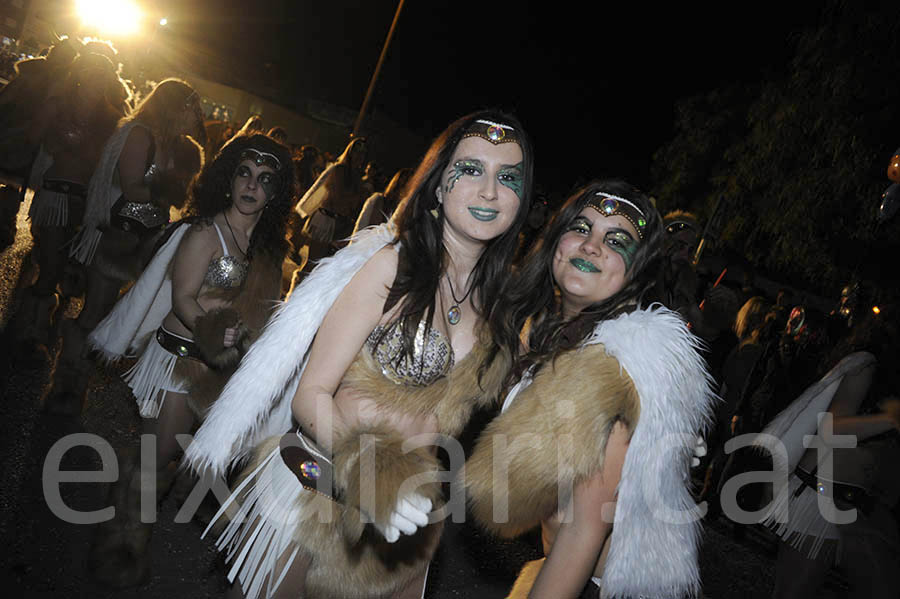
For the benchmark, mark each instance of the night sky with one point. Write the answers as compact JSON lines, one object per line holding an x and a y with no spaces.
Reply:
{"x":596,"y":88}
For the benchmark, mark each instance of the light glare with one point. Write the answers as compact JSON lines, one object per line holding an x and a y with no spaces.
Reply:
{"x":164,"y":21}
{"x":876,"y":309}
{"x":116,"y":17}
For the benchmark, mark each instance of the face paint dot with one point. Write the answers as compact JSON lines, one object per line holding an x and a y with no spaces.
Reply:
{"x":496,"y":133}
{"x":311,"y":469}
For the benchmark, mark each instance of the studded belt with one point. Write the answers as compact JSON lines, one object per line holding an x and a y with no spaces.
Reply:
{"x":63,"y":186}
{"x":841,"y":492}
{"x":308,"y":463}
{"x":137,"y":217}
{"x":175,"y":344}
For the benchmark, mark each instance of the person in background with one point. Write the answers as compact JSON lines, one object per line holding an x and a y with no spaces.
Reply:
{"x":218,"y":276}
{"x":380,"y":206}
{"x":78,"y":117}
{"x":145,"y":168}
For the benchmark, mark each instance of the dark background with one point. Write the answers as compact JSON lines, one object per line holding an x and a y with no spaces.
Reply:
{"x":594,"y":83}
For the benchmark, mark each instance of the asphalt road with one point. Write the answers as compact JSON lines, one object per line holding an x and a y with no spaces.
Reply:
{"x":44,"y":556}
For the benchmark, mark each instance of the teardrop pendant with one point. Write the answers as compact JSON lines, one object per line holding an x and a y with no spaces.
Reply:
{"x":454,"y":314}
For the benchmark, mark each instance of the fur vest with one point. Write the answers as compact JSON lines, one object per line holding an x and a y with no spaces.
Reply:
{"x":349,"y":559}
{"x":643,"y":369}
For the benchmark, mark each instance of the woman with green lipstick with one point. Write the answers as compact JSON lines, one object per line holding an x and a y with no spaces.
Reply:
{"x":382,"y":349}
{"x":594,"y":440}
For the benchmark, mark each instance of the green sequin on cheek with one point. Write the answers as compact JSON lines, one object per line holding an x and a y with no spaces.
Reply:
{"x":460,"y":168}
{"x":513,"y":179}
{"x":624,"y":245}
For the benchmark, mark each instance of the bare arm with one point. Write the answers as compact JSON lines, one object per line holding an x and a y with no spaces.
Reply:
{"x":342,"y":334}
{"x":188,"y":271}
{"x":847,"y":399}
{"x":580,"y":540}
{"x":133,"y":164}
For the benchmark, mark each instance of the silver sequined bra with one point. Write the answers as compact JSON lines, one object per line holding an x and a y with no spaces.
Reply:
{"x":228,"y":271}
{"x":432,"y":358}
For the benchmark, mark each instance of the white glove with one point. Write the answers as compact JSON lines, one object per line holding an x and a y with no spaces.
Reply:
{"x":699,"y":452}
{"x":410,"y":514}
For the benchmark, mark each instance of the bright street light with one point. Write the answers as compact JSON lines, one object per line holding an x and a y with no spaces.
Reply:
{"x":114,"y":17}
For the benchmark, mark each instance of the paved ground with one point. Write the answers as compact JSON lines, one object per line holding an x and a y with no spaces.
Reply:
{"x":47,"y":557}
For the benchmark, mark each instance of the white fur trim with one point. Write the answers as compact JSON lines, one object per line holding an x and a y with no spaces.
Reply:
{"x":139,"y":312}
{"x":256,"y":402}
{"x":103,"y":191}
{"x":654,"y":549}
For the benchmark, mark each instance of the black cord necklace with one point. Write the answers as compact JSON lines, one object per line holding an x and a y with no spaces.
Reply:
{"x":454,"y":314}
{"x":243,"y":253}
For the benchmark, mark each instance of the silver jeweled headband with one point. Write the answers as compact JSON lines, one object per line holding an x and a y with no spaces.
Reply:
{"x":610,"y":205}
{"x":496,"y":133}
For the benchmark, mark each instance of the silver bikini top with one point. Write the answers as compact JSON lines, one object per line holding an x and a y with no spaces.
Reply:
{"x":228,"y":271}
{"x":432,"y":357}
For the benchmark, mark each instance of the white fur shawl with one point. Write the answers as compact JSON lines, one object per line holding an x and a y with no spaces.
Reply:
{"x":655,"y":540}
{"x":256,"y":402}
{"x":103,"y":191}
{"x":654,"y":550}
{"x":139,"y":312}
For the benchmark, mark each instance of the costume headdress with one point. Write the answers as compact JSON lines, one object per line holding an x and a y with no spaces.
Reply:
{"x":496,"y":133}
{"x":261,"y":158}
{"x":608,"y":205}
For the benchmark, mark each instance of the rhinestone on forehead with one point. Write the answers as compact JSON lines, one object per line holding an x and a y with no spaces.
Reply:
{"x":610,"y":205}
{"x":496,"y":132}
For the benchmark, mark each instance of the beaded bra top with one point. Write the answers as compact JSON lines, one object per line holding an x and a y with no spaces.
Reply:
{"x":228,"y":271}
{"x":432,"y":356}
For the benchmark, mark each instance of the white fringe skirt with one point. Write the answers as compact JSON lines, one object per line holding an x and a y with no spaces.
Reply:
{"x":152,"y":376}
{"x":273,"y":519}
{"x":50,"y":204}
{"x":259,"y":538}
{"x":804,"y":527}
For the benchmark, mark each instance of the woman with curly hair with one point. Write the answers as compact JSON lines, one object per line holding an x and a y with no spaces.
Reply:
{"x":194,"y":311}
{"x":384,"y":343}
{"x":594,"y":440}
{"x":141,"y":173}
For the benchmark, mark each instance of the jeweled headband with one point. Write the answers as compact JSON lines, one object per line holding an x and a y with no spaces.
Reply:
{"x":608,"y":205}
{"x":496,"y":133}
{"x":261,"y":158}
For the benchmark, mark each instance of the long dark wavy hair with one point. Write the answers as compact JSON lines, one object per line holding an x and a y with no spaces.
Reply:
{"x":211,"y":192}
{"x":532,"y":293}
{"x":161,"y":111}
{"x":422,"y":256}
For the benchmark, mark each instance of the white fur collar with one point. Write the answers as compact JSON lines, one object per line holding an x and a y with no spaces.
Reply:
{"x":655,"y":542}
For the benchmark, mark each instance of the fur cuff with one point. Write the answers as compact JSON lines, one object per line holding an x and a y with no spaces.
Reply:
{"x":209,"y":335}
{"x":371,"y":471}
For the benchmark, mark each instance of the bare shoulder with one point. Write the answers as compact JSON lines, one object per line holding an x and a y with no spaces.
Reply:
{"x":200,"y":237}
{"x":377,"y":275}
{"x":139,"y":138}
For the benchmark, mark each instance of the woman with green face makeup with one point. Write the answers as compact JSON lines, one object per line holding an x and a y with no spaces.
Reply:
{"x":206,"y":294}
{"x":594,"y":439}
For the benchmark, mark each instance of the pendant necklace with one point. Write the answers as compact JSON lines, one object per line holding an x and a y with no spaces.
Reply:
{"x":233,"y":237}
{"x":455,"y":313}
